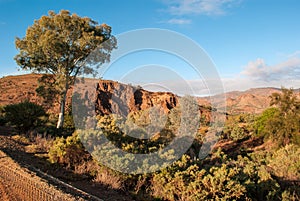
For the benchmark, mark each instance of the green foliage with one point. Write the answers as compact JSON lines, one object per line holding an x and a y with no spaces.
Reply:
{"x":254,"y":176}
{"x":68,"y":151}
{"x":237,"y":133}
{"x":238,"y":127}
{"x":187,"y":181}
{"x":242,"y":179}
{"x":25,"y":116}
{"x":262,"y":123}
{"x":58,"y":43}
{"x":259,"y":183}
{"x":154,"y":130}
{"x":285,"y":162}
{"x":281,"y":124}
{"x":61,"y":44}
{"x":48,"y":89}
{"x":69,"y":123}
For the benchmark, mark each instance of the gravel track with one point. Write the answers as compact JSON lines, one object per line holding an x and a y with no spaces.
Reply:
{"x":14,"y":156}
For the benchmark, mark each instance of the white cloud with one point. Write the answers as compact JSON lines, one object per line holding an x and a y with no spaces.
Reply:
{"x":256,"y":74}
{"x":287,"y":70}
{"x":200,"y":88}
{"x":199,"y":7}
{"x":295,"y":54}
{"x":178,"y":21}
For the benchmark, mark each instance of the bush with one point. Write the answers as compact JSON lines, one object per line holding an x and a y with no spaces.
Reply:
{"x":237,"y":133}
{"x":281,"y":124}
{"x":285,"y":162}
{"x":68,"y":151}
{"x":238,"y":127}
{"x":245,"y":178}
{"x":262,"y":122}
{"x":184,"y":181}
{"x":25,"y":116}
{"x":109,"y":178}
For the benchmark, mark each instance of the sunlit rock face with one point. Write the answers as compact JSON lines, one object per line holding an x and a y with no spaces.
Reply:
{"x":114,"y":97}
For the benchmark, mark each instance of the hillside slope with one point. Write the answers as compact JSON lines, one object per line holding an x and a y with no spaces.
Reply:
{"x":14,"y":89}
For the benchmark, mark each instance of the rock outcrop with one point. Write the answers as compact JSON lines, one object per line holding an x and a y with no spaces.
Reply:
{"x":118,"y":98}
{"x":121,"y":98}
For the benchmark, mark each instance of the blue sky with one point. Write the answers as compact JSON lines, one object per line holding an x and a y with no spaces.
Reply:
{"x":253,"y":43}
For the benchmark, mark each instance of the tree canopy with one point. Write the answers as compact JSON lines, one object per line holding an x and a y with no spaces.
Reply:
{"x":281,"y":124}
{"x":61,"y":44}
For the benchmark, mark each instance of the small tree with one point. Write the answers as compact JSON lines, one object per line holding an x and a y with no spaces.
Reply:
{"x":60,"y":44}
{"x":262,"y":126}
{"x":282,"y":124}
{"x":25,"y":116}
{"x":287,"y":120}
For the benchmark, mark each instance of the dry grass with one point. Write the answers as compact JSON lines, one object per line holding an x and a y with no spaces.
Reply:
{"x":44,"y":142}
{"x":104,"y":176}
{"x":21,"y":139}
{"x":86,"y":168}
{"x":40,"y":144}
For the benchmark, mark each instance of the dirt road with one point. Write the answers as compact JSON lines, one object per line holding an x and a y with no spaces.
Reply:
{"x":4,"y":195}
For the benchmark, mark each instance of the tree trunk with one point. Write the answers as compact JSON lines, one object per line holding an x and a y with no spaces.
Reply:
{"x":60,"y":122}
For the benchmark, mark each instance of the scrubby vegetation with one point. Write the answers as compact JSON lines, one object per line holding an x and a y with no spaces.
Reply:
{"x":281,"y":124}
{"x":24,"y":116}
{"x":257,"y":158}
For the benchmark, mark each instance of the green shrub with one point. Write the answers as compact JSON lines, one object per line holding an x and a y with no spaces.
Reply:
{"x":69,"y":126}
{"x":257,"y":179}
{"x":237,"y":133}
{"x":187,"y":181}
{"x":25,"y":116}
{"x":285,"y":162}
{"x":281,"y":124}
{"x":262,"y":122}
{"x":50,"y":126}
{"x":245,"y":178}
{"x":238,"y":127}
{"x":68,"y":151}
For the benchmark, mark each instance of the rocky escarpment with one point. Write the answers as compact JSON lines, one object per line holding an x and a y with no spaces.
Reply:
{"x":118,"y":98}
{"x":112,"y":97}
{"x":121,"y":98}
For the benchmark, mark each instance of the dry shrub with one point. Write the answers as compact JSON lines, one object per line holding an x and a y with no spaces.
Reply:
{"x":21,"y":139}
{"x":43,"y":142}
{"x":39,"y":144}
{"x":89,"y":168}
{"x":106,"y":177}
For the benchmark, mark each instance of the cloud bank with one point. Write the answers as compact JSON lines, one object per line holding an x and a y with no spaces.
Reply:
{"x":287,"y":70}
{"x":256,"y":74}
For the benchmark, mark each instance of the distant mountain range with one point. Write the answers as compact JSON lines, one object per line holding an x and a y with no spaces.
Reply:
{"x":252,"y":101}
{"x":14,"y":89}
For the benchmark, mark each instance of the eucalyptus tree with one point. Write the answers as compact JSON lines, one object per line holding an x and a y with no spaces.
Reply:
{"x":59,"y":44}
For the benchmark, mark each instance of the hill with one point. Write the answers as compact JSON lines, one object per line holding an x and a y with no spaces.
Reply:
{"x":15,"y":89}
{"x":112,"y":97}
{"x":251,"y":101}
